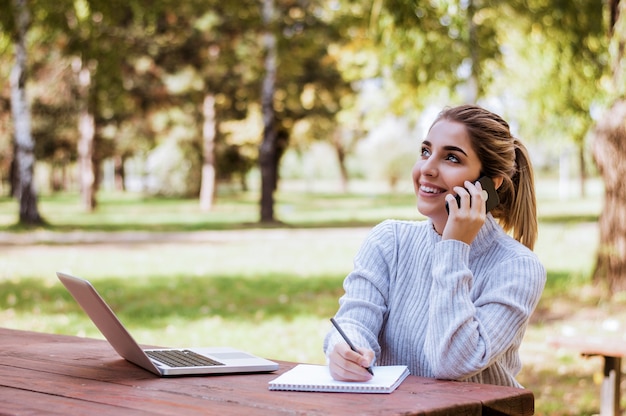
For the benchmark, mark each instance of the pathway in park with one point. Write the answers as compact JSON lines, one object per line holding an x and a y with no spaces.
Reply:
{"x":104,"y":237}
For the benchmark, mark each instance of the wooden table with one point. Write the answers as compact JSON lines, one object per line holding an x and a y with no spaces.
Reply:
{"x":65,"y":375}
{"x":611,"y":349}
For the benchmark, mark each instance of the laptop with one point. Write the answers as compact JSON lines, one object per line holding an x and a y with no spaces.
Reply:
{"x":162,"y":361}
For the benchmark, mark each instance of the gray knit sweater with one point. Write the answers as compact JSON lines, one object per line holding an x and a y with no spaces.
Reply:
{"x":445,"y":309}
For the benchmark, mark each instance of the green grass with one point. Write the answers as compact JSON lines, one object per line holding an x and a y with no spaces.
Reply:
{"x":151,"y":303}
{"x":270,"y":291}
{"x":134,"y":212}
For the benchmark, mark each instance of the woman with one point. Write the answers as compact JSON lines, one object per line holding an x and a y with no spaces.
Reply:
{"x":451,"y":296}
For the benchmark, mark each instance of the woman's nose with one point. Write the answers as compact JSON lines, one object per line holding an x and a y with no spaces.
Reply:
{"x":428,"y":167}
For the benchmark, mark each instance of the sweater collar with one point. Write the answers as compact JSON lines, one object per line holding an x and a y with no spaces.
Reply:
{"x":483,"y":240}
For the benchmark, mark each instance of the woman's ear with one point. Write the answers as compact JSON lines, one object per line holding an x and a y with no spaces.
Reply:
{"x":497,"y":181}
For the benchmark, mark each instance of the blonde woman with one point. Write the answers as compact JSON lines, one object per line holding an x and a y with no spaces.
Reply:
{"x":450,"y":296}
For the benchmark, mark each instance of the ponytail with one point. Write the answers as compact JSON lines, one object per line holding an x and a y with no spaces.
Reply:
{"x":517,"y":212}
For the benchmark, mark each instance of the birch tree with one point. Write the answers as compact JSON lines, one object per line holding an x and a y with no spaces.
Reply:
{"x":24,"y":143}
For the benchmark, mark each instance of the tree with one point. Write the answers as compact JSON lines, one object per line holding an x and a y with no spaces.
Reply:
{"x":213,"y":54}
{"x":427,"y":47}
{"x":268,"y":151}
{"x":24,"y":144}
{"x":609,"y":149}
{"x":225,"y":74}
{"x":97,"y":31}
{"x":87,"y":135}
{"x":562,"y":51}
{"x":302,"y":86}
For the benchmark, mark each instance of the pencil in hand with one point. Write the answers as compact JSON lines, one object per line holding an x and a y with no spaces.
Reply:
{"x":345,"y":337}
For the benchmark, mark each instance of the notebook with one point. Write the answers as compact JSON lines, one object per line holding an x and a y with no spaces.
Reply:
{"x":162,"y":361}
{"x":310,"y":377}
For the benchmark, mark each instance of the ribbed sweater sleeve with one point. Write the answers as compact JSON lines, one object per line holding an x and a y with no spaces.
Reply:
{"x":471,"y":327}
{"x":363,"y":307}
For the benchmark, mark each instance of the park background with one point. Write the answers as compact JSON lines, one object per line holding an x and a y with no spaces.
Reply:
{"x":213,"y":167}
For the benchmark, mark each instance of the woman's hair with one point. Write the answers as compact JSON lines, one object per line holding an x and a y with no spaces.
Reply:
{"x":503,"y":155}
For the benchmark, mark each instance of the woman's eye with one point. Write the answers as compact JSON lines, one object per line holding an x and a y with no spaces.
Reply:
{"x":453,"y":158}
{"x":425,"y":152}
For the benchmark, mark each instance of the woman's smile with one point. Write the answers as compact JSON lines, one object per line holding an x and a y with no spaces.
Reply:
{"x":428,"y":189}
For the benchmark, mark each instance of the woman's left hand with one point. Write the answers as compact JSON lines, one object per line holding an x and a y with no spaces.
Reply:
{"x":465,"y":221}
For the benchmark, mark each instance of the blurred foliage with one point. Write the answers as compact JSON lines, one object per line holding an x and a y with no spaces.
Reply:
{"x":543,"y":64}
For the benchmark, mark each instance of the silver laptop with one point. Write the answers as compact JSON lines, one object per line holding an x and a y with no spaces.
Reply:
{"x":162,"y":362}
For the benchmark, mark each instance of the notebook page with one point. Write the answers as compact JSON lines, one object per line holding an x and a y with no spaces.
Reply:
{"x":309,"y":377}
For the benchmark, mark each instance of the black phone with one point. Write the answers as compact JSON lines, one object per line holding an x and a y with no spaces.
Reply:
{"x":492,"y":195}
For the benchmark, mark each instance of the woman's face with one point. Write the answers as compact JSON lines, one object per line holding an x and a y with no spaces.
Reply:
{"x":447,"y":160}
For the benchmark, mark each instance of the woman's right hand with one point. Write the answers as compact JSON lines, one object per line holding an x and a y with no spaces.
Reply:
{"x":347,"y":365}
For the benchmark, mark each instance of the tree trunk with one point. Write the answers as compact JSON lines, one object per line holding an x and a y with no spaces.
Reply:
{"x":14,"y":177}
{"x":24,"y":143}
{"x":207,"y":185}
{"x":86,"y":129}
{"x":268,"y":160}
{"x":583,"y":170}
{"x":119,"y":173}
{"x":609,"y":152}
{"x":473,"y":82}
{"x":58,"y":177}
{"x":340,"y":152}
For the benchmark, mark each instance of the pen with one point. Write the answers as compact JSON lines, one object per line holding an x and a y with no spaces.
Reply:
{"x":345,"y":337}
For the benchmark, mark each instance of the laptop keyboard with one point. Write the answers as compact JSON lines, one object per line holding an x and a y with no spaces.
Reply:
{"x":181,"y":358}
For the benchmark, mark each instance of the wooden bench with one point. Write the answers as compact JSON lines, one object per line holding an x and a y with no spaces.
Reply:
{"x":612,"y":349}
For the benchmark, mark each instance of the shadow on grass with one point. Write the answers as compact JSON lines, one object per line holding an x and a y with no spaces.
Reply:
{"x":219,"y":224}
{"x":152,"y":302}
{"x":559,"y":393}
{"x":200,"y":225}
{"x":568,"y":218}
{"x":560,"y":283}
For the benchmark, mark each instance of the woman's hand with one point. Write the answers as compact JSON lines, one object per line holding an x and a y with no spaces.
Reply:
{"x":347,"y":365}
{"x":465,"y":221}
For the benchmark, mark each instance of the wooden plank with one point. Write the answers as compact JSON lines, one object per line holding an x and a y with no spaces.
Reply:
{"x":610,"y":346}
{"x":411,"y":398}
{"x":495,"y":400}
{"x":519,"y":402}
{"x":195,"y":394}
{"x":16,"y":337}
{"x":26,"y":403}
{"x":115,"y":398}
{"x":77,"y":380}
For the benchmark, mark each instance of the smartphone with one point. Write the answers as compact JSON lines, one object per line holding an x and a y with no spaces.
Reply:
{"x":492,"y":195}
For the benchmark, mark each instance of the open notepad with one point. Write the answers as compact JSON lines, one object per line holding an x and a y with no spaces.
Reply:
{"x":309,"y":377}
